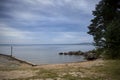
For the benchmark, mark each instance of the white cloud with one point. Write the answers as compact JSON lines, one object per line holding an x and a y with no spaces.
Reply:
{"x":72,"y":37}
{"x":23,"y":37}
{"x":42,"y":2}
{"x":36,"y":7}
{"x":5,"y":30}
{"x":38,"y":13}
{"x":42,"y":13}
{"x":78,"y":4}
{"x":32,"y":17}
{"x":10,"y":35}
{"x":85,"y":6}
{"x":25,"y":16}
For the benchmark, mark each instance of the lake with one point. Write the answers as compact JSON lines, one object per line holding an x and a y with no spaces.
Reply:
{"x":46,"y":54}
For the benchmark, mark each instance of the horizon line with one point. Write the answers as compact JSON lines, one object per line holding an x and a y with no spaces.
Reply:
{"x":52,"y":44}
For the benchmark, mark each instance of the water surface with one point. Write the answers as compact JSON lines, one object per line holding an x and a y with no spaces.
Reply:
{"x":46,"y":54}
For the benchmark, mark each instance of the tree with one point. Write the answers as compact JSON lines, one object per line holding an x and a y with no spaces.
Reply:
{"x":106,"y":21}
{"x":113,"y":39}
{"x":104,"y":13}
{"x":96,"y":27}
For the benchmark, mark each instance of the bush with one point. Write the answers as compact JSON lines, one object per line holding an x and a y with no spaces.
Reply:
{"x":113,"y":40}
{"x":112,"y":53}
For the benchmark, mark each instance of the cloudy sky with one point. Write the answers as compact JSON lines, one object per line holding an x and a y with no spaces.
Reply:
{"x":45,"y":21}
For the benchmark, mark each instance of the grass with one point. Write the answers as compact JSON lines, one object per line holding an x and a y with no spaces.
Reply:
{"x":109,"y":71}
{"x":44,"y":73}
{"x":112,"y":69}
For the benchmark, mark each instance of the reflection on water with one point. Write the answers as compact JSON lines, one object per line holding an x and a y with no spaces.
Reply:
{"x":46,"y":54}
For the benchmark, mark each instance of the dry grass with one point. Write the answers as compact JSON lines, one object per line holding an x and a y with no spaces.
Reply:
{"x":90,"y":70}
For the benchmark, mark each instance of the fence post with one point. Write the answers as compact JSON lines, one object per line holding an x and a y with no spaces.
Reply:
{"x":11,"y":51}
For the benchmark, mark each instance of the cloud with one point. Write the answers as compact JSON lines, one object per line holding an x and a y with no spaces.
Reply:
{"x":73,"y":37}
{"x":36,"y":9}
{"x":7,"y":31}
{"x":12,"y":35}
{"x":45,"y":21}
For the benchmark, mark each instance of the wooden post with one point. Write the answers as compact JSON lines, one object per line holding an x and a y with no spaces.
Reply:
{"x":11,"y":50}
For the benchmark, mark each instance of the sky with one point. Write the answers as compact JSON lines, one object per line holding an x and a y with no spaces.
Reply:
{"x":45,"y":21}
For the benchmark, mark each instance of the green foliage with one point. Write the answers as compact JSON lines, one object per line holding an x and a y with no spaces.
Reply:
{"x":113,"y":34}
{"x":113,"y":39}
{"x":96,"y":27}
{"x":105,"y":27}
{"x":99,"y":52}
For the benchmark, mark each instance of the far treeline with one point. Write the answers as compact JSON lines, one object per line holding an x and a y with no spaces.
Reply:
{"x":105,"y":28}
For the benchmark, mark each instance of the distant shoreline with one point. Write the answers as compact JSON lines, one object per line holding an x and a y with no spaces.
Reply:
{"x":44,"y":44}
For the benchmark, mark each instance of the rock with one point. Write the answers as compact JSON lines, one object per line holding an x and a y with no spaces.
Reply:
{"x":72,"y":53}
{"x":79,"y":53}
{"x":65,"y":53}
{"x":61,"y":53}
{"x":90,"y":56}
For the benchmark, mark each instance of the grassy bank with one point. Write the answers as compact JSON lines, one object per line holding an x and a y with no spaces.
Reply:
{"x":111,"y":70}
{"x":90,"y":70}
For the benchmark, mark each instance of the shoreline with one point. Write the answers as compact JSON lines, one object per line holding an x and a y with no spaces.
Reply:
{"x":40,"y":65}
{"x":16,"y":59}
{"x":32,"y":64}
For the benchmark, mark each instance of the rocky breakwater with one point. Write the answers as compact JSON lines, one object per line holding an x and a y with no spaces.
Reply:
{"x":71,"y":53}
{"x":89,"y":55}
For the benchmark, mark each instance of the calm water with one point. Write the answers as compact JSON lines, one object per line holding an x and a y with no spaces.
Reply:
{"x":46,"y":54}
